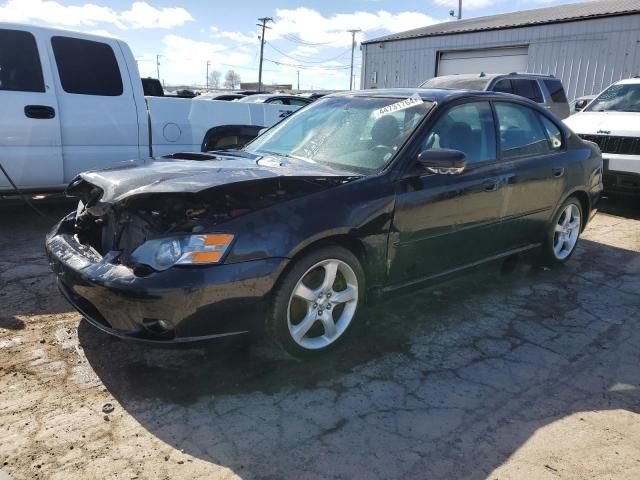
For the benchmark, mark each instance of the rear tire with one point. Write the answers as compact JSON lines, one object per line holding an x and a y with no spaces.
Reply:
{"x":563,"y":233}
{"x":316,"y":303}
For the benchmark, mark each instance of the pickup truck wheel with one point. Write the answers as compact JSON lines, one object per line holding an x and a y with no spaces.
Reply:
{"x":563,"y":233}
{"x":316,"y":303}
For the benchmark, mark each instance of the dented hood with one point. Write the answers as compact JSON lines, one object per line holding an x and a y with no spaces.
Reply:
{"x":176,"y":175}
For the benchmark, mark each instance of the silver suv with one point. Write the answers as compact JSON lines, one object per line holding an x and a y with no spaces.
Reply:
{"x":546,"y":90}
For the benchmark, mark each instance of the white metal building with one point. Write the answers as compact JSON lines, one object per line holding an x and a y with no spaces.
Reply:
{"x":587,"y":45}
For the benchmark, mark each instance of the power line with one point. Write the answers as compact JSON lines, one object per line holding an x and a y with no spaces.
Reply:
{"x":309,"y":67}
{"x":306,"y":61}
{"x":293,"y":38}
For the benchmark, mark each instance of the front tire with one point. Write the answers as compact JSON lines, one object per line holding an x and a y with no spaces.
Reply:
{"x":317,"y":302}
{"x":564,"y":232}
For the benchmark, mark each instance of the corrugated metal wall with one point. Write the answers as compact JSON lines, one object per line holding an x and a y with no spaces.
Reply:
{"x":587,"y":55}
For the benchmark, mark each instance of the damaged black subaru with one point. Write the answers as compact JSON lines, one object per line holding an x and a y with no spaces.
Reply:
{"x":354,"y":196}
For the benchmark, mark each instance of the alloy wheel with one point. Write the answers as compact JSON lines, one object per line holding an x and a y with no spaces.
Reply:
{"x":566,"y":232}
{"x":322,"y":304}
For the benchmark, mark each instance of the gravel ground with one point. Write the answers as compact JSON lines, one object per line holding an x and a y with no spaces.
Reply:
{"x":512,"y":372}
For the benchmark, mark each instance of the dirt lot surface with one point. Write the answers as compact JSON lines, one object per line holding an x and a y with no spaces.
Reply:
{"x":520,"y":374}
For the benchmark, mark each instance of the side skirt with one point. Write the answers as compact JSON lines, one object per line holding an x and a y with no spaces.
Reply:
{"x":416,"y":282}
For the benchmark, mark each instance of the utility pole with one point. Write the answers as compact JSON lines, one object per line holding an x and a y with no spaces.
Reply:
{"x":208,"y":63}
{"x":353,"y":47}
{"x":459,"y":9}
{"x":298,"y":80}
{"x":158,"y":65}
{"x":263,"y":23}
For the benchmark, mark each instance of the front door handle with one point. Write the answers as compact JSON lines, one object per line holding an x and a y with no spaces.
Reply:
{"x":557,"y":172}
{"x":41,"y":112}
{"x":490,"y":185}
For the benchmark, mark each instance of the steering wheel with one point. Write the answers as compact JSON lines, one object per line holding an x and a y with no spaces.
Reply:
{"x":383,"y":148}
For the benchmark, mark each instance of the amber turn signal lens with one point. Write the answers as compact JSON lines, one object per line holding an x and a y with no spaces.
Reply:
{"x":218,"y":239}
{"x":205,"y":257}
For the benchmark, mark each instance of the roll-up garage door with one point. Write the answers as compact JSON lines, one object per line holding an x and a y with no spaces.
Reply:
{"x":489,"y":60}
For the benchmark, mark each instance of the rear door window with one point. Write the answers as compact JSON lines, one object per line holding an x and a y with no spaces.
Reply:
{"x":87,"y":67}
{"x":556,"y":90}
{"x":527,"y":89}
{"x":20,"y":68}
{"x":521,"y":132}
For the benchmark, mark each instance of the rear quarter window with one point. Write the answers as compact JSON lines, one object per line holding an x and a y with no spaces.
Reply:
{"x":86,"y":67}
{"x":556,"y":90}
{"x":20,"y":68}
{"x":553,"y":133}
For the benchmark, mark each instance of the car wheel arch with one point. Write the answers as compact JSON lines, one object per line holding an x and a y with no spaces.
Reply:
{"x":583,"y":197}
{"x":350,"y":243}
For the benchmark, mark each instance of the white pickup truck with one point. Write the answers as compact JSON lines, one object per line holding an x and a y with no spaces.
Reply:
{"x":71,"y":102}
{"x":612,"y":120}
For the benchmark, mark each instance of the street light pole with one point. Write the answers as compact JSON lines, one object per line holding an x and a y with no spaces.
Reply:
{"x":459,"y":9}
{"x":353,"y":47}
{"x":263,"y":23}
{"x":158,"y":65}
{"x":298,"y":80}
{"x":208,"y":63}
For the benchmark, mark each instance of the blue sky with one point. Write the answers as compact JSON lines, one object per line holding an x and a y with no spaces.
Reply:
{"x":309,"y":37}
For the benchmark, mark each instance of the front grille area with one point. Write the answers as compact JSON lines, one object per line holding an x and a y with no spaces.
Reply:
{"x":615,"y":145}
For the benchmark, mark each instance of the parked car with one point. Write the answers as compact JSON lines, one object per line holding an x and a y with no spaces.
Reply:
{"x":612,"y":120}
{"x":581,"y":102}
{"x":315,"y":95}
{"x":226,"y":96}
{"x":357,"y":195}
{"x":277,"y":98}
{"x":73,"y":102}
{"x":543,"y":89}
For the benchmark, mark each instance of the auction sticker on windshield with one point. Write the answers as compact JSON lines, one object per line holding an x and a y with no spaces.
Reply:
{"x":412,"y":101}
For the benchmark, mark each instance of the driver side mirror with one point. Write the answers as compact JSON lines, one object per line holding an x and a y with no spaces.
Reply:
{"x":443,"y":161}
{"x":580,"y":104}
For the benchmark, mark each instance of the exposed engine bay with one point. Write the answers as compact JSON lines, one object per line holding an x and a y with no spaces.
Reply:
{"x":125,"y":225}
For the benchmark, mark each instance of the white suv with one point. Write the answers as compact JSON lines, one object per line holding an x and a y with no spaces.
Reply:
{"x":612,"y":120}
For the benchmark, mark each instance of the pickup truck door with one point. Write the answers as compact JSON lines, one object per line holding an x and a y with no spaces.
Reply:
{"x":97,"y":102}
{"x":30,"y":144}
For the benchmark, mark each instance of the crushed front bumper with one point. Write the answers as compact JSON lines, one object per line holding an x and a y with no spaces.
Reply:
{"x":180,"y":304}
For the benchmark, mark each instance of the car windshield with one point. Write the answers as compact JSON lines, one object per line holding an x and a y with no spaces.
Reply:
{"x":624,"y":97}
{"x":454,"y":82}
{"x":352,"y":133}
{"x":254,"y":99}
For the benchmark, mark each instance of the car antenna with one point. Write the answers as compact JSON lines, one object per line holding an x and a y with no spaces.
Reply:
{"x":482,"y":74}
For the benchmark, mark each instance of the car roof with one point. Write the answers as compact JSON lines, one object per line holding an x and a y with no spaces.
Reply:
{"x":629,"y":81}
{"x":494,"y":75}
{"x":432,"y":94}
{"x":274,"y":95}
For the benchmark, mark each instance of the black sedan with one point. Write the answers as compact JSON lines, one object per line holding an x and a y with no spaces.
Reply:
{"x":355,"y":196}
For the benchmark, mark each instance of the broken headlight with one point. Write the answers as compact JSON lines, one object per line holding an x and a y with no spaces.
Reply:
{"x":163,"y":253}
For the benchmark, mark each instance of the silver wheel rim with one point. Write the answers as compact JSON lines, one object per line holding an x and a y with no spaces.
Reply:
{"x":319,"y":313}
{"x":566,"y":232}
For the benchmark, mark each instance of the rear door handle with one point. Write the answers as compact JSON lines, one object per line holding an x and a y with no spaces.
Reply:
{"x":557,"y":172}
{"x":42,"y":112}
